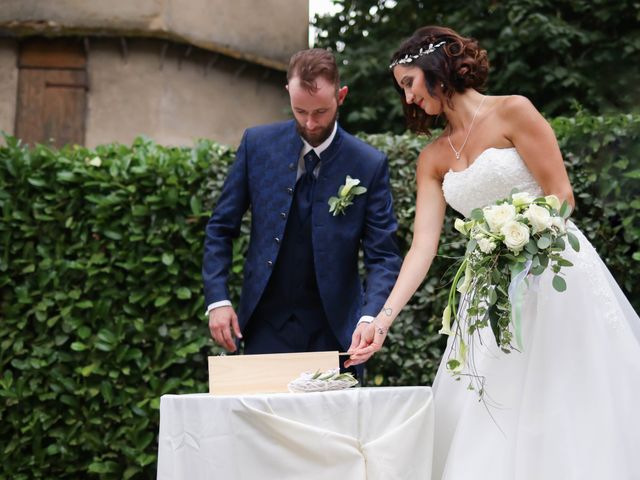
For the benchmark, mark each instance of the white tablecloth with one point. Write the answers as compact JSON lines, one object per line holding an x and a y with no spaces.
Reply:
{"x":360,"y":433}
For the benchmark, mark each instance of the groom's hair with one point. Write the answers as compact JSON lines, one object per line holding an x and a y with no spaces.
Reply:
{"x":308,"y":65}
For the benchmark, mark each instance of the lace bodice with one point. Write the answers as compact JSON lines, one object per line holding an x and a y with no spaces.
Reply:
{"x":492,"y":176}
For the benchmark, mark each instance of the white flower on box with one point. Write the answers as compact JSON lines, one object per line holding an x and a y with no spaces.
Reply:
{"x":516,"y":235}
{"x":539,"y":218}
{"x":498,"y":215}
{"x":522,"y":198}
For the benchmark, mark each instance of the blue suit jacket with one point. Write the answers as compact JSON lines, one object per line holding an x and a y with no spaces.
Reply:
{"x":263,"y":178}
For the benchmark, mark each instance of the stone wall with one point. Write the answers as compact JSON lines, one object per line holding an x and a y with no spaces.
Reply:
{"x":174,"y":99}
{"x":261,"y":31}
{"x":8,"y":84}
{"x":164,"y":90}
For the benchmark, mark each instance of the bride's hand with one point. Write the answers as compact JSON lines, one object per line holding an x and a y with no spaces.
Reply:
{"x":371,"y":340}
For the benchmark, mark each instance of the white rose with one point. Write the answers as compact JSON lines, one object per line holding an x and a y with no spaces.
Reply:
{"x":516,"y":235}
{"x":521,"y":199}
{"x":497,"y":215}
{"x":539,"y":218}
{"x":559,"y":225}
{"x":486,"y":245}
{"x":553,"y":201}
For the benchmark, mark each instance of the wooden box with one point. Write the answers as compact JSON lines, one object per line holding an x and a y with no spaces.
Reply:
{"x":270,"y":373}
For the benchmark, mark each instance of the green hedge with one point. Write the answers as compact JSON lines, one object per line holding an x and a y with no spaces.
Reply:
{"x":100,"y":293}
{"x":101,"y":303}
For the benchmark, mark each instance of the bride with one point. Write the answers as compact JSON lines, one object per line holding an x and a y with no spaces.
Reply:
{"x":565,"y":407}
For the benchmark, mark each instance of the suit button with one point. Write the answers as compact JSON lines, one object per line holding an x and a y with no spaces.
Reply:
{"x":291,"y":166}
{"x":269,"y":263}
{"x":276,"y":239}
{"x":283,"y":215}
{"x":290,"y":190}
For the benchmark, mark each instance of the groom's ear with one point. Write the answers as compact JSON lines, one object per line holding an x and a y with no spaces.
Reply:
{"x":342,"y":93}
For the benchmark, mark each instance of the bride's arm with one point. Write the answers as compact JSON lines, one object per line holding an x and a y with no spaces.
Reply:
{"x":427,"y":225}
{"x":536,"y":143}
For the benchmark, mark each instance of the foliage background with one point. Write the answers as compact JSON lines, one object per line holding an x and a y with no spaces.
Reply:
{"x":100,"y":288}
{"x":558,"y":53}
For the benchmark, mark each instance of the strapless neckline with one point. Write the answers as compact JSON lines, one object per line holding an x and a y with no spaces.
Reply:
{"x":493,"y":175}
{"x":480,"y":156}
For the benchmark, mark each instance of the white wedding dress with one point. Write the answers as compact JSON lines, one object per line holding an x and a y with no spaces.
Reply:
{"x":566,"y":407}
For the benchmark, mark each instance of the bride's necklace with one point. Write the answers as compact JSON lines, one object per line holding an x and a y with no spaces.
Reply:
{"x":458,"y":152}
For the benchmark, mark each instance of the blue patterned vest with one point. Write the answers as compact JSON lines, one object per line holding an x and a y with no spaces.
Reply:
{"x":292,"y":287}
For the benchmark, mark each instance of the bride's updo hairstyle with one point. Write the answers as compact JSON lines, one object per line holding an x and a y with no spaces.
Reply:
{"x":447,"y":59}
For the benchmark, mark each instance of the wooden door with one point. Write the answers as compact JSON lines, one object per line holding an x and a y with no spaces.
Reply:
{"x":52,"y":92}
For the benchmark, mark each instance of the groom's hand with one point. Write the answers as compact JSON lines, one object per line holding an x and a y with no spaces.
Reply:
{"x":223,"y":325}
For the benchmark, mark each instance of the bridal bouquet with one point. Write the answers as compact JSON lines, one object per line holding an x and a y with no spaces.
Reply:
{"x":518,"y":236}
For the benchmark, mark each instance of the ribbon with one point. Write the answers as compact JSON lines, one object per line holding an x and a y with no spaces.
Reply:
{"x":516,"y":290}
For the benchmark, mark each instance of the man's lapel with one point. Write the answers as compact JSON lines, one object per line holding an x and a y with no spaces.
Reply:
{"x":331,"y":151}
{"x":329,"y":179}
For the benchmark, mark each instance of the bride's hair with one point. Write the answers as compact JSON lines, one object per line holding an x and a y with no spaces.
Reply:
{"x":456,"y":65}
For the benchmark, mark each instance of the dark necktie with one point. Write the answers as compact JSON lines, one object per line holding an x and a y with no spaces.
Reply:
{"x":306,"y":184}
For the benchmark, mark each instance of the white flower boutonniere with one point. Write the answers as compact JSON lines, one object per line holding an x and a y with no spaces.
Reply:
{"x":345,"y":196}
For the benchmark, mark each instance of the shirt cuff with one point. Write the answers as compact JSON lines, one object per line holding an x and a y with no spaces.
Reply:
{"x":221,"y":303}
{"x":366,"y":319}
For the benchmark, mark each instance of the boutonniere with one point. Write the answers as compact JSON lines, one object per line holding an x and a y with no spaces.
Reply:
{"x":345,"y":196}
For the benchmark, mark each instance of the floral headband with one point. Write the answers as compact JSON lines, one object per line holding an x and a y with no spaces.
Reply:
{"x":408,"y":58}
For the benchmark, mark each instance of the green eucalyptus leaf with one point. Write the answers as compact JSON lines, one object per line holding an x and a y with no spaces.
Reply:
{"x":573,"y":241}
{"x":559,"y":283}
{"x":544,"y":242}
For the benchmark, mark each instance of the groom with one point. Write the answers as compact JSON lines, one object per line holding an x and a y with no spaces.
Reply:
{"x":301,"y":289}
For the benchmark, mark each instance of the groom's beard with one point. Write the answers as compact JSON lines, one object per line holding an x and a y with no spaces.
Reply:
{"x":318,"y":136}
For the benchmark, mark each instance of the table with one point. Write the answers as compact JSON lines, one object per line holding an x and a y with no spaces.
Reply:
{"x":359,"y":433}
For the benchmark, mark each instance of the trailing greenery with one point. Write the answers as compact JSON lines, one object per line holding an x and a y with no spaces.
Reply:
{"x":581,"y":51}
{"x":100,"y":288}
